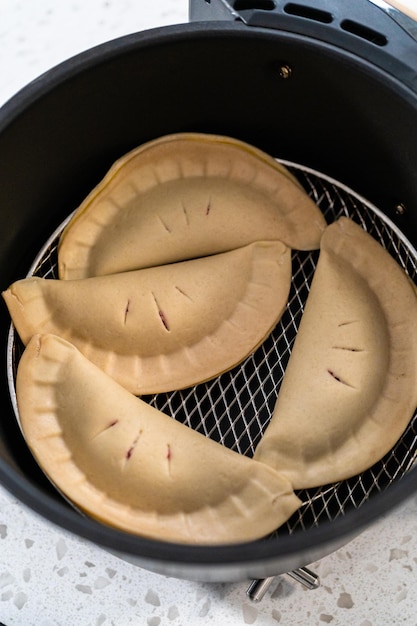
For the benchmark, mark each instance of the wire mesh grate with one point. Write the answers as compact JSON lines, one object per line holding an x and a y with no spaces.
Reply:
{"x":235,"y":408}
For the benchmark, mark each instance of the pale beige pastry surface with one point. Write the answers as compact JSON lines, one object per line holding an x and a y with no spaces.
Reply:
{"x":350,"y":387}
{"x":133,"y":467}
{"x":185,"y":196}
{"x":163,"y":328}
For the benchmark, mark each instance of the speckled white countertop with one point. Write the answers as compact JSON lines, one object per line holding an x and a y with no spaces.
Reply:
{"x":51,"y":578}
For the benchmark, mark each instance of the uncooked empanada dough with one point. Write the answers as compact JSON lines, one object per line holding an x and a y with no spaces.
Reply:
{"x":350,"y":387}
{"x":130,"y":466}
{"x":163,"y":328}
{"x":184,"y":196}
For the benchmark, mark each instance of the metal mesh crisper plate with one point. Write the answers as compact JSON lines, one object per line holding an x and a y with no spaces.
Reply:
{"x":235,"y":408}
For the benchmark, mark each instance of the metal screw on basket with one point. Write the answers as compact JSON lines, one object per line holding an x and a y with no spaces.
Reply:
{"x":400,"y":208}
{"x":285,"y":71}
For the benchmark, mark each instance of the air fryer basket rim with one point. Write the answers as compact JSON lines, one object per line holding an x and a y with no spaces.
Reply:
{"x":60,"y":513}
{"x":212,"y":29}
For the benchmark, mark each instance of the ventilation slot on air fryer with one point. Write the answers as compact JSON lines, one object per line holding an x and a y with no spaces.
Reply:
{"x":247,"y":5}
{"x":309,"y":13}
{"x":363,"y":31}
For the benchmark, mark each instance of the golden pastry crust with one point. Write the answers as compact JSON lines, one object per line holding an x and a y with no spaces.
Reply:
{"x":163,"y":328}
{"x":184,"y":196}
{"x":132,"y":467}
{"x":350,"y":387}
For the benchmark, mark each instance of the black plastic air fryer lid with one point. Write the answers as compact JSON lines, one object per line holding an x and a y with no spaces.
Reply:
{"x":370,"y":29}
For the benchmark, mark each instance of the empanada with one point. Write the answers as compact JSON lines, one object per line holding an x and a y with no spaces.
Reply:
{"x":163,"y":328}
{"x":185,"y":196}
{"x":350,"y":387}
{"x":130,"y":466}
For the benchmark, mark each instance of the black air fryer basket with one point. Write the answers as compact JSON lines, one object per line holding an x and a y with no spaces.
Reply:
{"x":327,"y":87}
